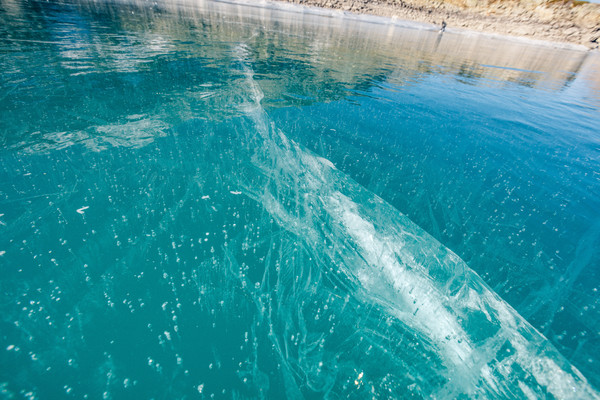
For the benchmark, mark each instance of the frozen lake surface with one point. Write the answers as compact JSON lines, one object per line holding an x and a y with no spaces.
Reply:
{"x":212,"y":200}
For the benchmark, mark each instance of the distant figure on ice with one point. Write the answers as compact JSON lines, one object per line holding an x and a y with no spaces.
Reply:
{"x":443,"y":27}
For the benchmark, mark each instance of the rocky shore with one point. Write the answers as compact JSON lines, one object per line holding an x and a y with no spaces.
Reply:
{"x":574,"y":22}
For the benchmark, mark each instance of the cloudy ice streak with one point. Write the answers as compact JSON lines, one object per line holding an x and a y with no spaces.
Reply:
{"x":434,"y":291}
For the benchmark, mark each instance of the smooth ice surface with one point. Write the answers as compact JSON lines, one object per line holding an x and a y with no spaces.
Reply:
{"x":212,"y":200}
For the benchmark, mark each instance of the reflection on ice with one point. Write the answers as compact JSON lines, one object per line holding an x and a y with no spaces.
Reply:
{"x":138,"y":131}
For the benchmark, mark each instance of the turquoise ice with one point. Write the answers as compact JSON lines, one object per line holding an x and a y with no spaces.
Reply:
{"x":206,"y":201}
